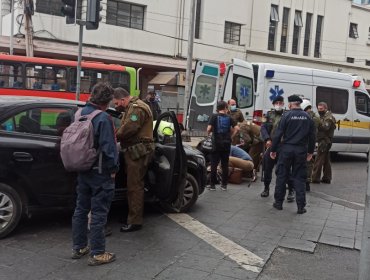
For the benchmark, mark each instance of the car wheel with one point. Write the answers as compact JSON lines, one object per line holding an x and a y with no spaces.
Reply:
{"x":191,"y":193}
{"x":10,"y":209}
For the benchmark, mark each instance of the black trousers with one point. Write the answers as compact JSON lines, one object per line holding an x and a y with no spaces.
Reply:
{"x":291,"y":165}
{"x":216,"y":157}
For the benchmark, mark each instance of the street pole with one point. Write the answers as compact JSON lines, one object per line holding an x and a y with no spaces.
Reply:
{"x":189,"y":61}
{"x":11,"y":28}
{"x":78,"y":79}
{"x":365,"y":243}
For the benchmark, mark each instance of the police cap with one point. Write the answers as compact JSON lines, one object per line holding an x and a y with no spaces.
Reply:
{"x":295,"y":98}
{"x":278,"y":98}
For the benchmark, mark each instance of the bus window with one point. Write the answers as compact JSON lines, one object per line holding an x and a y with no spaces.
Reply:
{"x":88,"y":79}
{"x":121,"y":79}
{"x":43,"y":77}
{"x":11,"y":75}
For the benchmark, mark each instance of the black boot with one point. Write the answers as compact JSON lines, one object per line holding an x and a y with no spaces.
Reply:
{"x":301,"y":210}
{"x":308,"y":187}
{"x":266,"y":192}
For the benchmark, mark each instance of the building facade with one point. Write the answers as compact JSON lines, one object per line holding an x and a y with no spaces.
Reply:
{"x":153,"y":34}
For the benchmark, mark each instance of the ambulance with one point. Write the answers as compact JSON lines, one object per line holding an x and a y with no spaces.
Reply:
{"x":255,"y":85}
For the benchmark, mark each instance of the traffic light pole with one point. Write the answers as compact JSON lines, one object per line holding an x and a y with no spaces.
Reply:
{"x":11,"y":28}
{"x":364,"y":270}
{"x":78,"y":79}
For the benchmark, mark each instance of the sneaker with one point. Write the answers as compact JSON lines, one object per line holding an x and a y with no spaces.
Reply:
{"x":290,"y":197}
{"x":277,"y":206}
{"x":325,"y":181}
{"x":265,"y":193}
{"x":101,"y":259}
{"x":224,"y":187}
{"x":212,"y":187}
{"x":78,"y":254}
{"x":301,"y":210}
{"x":308,"y":187}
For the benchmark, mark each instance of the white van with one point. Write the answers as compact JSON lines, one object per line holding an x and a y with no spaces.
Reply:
{"x":254,"y":86}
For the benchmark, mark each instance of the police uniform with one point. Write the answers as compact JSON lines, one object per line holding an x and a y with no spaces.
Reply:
{"x":310,"y":163}
{"x":325,"y":133}
{"x":136,"y":138}
{"x":296,"y":135}
{"x":236,"y":115}
{"x":268,"y":129}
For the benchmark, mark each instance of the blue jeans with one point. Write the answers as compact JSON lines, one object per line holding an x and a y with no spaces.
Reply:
{"x":94,"y":192}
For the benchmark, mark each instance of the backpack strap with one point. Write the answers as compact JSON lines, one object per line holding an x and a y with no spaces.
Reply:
{"x":90,"y":116}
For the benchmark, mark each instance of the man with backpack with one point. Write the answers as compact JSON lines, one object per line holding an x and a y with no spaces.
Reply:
{"x":88,"y":146}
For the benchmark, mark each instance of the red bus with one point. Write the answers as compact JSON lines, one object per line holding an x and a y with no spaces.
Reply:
{"x":34,"y":76}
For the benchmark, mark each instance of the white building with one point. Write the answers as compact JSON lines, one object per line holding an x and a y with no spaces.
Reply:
{"x":326,"y":34}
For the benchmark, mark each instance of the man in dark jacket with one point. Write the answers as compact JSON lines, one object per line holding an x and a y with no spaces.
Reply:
{"x":153,"y":105}
{"x":296,"y":135}
{"x":95,"y":188}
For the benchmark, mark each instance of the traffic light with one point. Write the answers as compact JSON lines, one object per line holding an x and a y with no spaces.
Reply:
{"x":93,"y":14}
{"x":69,"y":11}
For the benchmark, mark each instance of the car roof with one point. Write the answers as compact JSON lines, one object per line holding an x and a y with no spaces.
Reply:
{"x":10,"y":100}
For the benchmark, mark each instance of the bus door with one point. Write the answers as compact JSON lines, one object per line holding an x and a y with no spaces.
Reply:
{"x":361,"y":123}
{"x":238,"y":85}
{"x":204,"y":96}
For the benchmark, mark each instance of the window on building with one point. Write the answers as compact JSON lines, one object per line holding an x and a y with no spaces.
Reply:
{"x":367,"y":62}
{"x":284,"y":30}
{"x":337,"y":99}
{"x":353,"y":33}
{"x":297,"y":31}
{"x":350,"y":60}
{"x":317,"y":52}
{"x":125,"y":14}
{"x":368,"y":36}
{"x":362,"y":103}
{"x":52,"y":7}
{"x":232,"y":33}
{"x":197,"y":19}
{"x":307,"y":35}
{"x":11,"y":75}
{"x":274,"y":19}
{"x":41,"y":77}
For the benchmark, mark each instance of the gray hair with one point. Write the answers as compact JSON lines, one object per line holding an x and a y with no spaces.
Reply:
{"x":101,"y":94}
{"x":120,"y":93}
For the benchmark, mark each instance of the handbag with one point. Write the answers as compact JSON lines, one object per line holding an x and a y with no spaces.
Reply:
{"x":207,"y":144}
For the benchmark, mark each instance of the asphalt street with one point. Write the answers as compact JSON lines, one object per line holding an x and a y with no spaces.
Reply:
{"x":227,"y":235}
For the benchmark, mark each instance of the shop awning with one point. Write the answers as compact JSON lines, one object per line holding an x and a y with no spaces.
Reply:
{"x":164,"y":78}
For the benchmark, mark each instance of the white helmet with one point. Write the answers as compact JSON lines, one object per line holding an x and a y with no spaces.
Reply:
{"x":305,"y":104}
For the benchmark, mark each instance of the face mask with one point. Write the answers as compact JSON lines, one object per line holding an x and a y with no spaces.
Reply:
{"x":322,"y":113}
{"x":233,"y":107}
{"x":152,"y":99}
{"x":278,"y":108}
{"x":120,"y":108}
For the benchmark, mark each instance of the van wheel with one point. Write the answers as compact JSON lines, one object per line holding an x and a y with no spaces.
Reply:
{"x":10,"y":209}
{"x":191,"y":193}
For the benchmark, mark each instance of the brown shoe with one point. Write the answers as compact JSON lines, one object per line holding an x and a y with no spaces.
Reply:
{"x":101,"y":259}
{"x":78,"y":254}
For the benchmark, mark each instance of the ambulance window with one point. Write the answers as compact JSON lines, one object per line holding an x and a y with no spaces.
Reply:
{"x":337,"y":99}
{"x":243,"y":91}
{"x":362,"y":103}
{"x":205,"y":89}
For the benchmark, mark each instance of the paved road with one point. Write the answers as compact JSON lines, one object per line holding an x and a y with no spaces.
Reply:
{"x":228,"y":235}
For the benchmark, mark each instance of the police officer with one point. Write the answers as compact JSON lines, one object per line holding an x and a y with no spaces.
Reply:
{"x":136,"y":139}
{"x":307,"y":107}
{"x":325,"y":133}
{"x":234,"y":112}
{"x":296,"y":135}
{"x":268,"y":129}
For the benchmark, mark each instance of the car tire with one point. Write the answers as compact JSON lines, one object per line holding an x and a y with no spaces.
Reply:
{"x":10,"y":209}
{"x":191,"y":193}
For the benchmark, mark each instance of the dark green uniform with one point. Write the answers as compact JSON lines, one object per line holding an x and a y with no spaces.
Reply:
{"x":310,"y":163}
{"x":325,"y":133}
{"x":136,"y":138}
{"x":237,"y":116}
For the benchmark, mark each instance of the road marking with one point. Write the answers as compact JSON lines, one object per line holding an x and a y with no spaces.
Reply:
{"x":237,"y":253}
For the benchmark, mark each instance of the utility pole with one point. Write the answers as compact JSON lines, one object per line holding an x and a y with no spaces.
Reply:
{"x":80,"y":40}
{"x":189,"y":61}
{"x":28,"y":12}
{"x":11,"y":29}
{"x":365,"y":243}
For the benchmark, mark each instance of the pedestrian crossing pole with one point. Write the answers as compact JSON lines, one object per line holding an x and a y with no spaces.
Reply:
{"x":364,"y":269}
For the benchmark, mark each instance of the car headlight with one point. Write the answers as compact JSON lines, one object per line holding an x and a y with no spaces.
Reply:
{"x":201,"y":160}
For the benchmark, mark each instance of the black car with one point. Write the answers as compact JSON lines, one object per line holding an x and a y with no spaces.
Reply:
{"x":32,"y":175}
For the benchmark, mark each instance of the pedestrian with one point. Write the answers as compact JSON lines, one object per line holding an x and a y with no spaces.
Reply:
{"x":325,"y":133}
{"x":296,"y":137}
{"x":234,"y":112}
{"x":153,"y":104}
{"x":136,"y":139}
{"x":268,"y":129}
{"x":95,"y":189}
{"x":221,"y":125}
{"x":307,"y":107}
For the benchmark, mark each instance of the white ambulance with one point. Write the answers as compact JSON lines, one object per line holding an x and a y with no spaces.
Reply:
{"x":254,"y":86}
